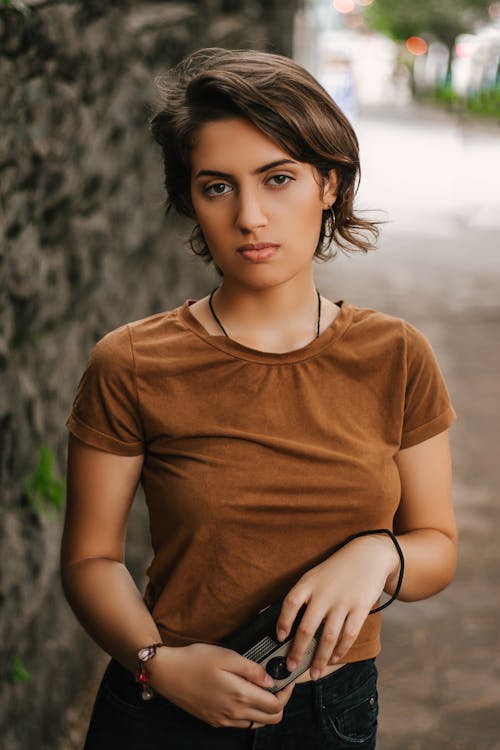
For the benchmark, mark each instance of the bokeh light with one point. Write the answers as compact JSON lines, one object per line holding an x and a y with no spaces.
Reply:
{"x":344,"y":6}
{"x":463,"y":50}
{"x":364,"y":3}
{"x":416,"y":45}
{"x":494,"y":10}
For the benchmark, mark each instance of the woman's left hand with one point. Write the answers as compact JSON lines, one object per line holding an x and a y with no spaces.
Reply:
{"x":340,"y":592}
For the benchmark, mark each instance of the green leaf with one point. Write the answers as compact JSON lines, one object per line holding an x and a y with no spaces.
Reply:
{"x":19,"y":673}
{"x":42,"y":488}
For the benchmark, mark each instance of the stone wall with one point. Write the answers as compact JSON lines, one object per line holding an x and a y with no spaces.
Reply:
{"x":86,"y":248}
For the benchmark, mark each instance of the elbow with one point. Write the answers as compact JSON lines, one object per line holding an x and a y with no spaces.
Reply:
{"x":64,"y":576}
{"x":72,"y":571}
{"x":447,"y":563}
{"x":449,"y":571}
{"x":427,"y":587}
{"x":430,"y":569}
{"x":450,"y":561}
{"x":68,"y":582}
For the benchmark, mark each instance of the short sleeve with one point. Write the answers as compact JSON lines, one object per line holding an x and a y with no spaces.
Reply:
{"x":427,"y":410}
{"x":105,"y":412}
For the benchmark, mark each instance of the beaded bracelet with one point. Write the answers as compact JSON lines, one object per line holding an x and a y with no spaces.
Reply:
{"x":145,"y":654}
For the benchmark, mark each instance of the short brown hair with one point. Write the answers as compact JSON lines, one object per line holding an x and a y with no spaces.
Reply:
{"x":287,"y":104}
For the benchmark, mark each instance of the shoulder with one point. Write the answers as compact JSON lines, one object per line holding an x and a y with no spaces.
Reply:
{"x":395,"y":339}
{"x":118,"y":345}
{"x":374,"y":328}
{"x":368,"y":322}
{"x":367,"y":318}
{"x":151,"y":347}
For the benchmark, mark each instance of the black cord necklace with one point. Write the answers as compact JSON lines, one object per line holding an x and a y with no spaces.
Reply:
{"x":220,"y":324}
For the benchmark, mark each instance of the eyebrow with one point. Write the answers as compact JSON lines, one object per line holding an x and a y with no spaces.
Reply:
{"x":228,"y":176}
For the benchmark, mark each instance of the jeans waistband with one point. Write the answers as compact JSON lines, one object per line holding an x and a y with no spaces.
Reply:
{"x":122,"y":681}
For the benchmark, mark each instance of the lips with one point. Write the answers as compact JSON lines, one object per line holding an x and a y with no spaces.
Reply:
{"x":258,"y":251}
{"x":256,"y":246}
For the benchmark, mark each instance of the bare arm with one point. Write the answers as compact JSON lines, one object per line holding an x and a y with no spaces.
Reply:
{"x":97,"y":585}
{"x":216,"y":684}
{"x":341,"y":590}
{"x":425,"y":522}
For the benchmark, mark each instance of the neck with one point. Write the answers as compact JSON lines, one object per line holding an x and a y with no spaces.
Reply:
{"x":271,"y":318}
{"x":279,"y":308}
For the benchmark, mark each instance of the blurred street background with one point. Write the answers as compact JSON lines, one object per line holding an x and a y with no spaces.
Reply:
{"x":434,"y":172}
{"x":438,"y":266}
{"x":86,"y":248}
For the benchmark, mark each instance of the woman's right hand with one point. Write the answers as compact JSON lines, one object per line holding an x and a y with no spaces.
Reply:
{"x":217,"y":685}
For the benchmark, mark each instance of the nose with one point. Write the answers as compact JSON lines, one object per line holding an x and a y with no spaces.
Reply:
{"x":250,"y":212}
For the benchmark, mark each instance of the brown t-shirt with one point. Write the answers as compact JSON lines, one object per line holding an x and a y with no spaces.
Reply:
{"x":257,"y":464}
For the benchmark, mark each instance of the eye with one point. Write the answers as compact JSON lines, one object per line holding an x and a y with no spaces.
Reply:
{"x":280,"y":179}
{"x":218,"y":188}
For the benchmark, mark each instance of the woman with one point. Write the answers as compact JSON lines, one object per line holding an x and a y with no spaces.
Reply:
{"x":268,"y":425}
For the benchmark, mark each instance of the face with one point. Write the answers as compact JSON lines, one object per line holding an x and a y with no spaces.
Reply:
{"x":247,"y":191}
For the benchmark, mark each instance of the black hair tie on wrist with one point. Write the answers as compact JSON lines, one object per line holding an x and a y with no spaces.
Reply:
{"x":401,"y":560}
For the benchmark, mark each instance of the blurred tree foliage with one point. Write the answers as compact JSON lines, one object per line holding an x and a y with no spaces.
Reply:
{"x":18,"y":5}
{"x":442,"y":20}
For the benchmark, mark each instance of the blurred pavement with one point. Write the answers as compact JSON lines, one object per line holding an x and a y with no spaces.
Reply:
{"x":438,"y":266}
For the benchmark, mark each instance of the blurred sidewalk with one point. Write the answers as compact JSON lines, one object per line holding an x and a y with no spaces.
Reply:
{"x":438,"y":266}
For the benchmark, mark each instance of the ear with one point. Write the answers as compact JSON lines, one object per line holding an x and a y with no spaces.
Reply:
{"x":330,"y":189}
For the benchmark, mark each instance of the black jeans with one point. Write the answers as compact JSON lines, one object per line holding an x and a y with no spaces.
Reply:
{"x":336,"y":712}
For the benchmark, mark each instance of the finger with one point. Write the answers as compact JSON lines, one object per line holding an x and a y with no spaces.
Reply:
{"x":259,"y":720}
{"x":285,"y":694}
{"x":329,"y":638}
{"x":289,"y":610}
{"x":265,"y":702}
{"x":250,"y":696}
{"x":250,"y":670}
{"x":350,"y":632}
{"x":305,"y":633}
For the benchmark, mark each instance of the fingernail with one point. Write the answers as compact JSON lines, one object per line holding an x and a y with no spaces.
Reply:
{"x":281,"y":634}
{"x":268,"y":681}
{"x":314,"y":674}
{"x":292,"y":665}
{"x":335,"y":659}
